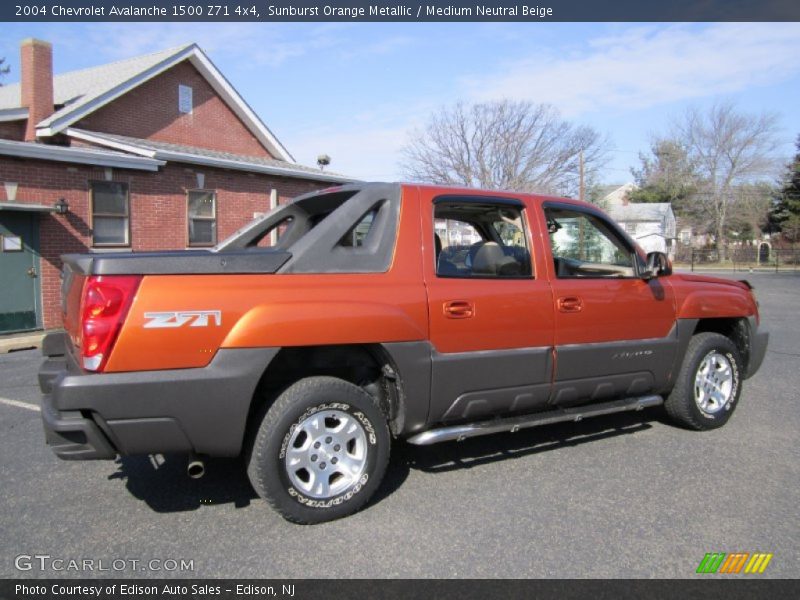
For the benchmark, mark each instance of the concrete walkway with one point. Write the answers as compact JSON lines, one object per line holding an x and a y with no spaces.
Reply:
{"x":21,"y":341}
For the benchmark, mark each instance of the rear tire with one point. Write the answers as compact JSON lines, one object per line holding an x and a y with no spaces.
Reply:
{"x":320,"y":451}
{"x":708,"y":386}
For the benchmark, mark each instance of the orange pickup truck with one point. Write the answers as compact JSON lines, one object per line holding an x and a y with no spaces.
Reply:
{"x":350,"y":316}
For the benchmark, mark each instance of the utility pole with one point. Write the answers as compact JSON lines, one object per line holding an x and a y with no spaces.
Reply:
{"x":581,"y":184}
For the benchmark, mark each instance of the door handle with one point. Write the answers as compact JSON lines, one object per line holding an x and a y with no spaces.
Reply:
{"x":570,"y":304}
{"x":459,"y":309}
{"x":32,"y":273}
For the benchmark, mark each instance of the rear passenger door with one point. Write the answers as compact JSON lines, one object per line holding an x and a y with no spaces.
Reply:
{"x":490,"y":311}
{"x":614,"y":331}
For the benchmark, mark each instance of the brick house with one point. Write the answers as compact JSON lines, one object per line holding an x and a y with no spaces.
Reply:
{"x":155,"y":152}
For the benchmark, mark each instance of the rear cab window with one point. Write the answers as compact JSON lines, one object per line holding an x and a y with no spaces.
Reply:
{"x":479,"y":237}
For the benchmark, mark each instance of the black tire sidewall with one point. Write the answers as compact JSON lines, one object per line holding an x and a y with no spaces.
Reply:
{"x":336,"y":395}
{"x":722,"y":345}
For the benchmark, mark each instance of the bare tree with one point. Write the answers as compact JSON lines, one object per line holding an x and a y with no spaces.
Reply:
{"x":503,"y":145}
{"x":729,"y":149}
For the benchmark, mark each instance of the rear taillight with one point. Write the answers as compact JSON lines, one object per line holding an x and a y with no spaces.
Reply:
{"x":104,"y":306}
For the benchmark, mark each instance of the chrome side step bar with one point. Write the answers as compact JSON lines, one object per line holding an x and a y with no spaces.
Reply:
{"x":513,"y":424}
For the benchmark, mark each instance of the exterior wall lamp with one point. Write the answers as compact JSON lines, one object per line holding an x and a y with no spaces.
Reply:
{"x":61,"y":206}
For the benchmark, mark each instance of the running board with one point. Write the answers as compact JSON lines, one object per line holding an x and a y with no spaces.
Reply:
{"x":513,"y":424}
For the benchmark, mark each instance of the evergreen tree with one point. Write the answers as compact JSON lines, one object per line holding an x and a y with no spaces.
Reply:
{"x":668,"y":175}
{"x":786,"y":212}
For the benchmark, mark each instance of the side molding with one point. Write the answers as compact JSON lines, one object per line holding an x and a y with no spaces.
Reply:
{"x":473,"y":385}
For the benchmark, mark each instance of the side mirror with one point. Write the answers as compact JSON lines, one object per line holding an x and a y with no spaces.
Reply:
{"x":658,"y":265}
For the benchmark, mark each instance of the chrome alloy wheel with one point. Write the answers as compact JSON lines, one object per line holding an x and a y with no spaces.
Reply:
{"x":327,"y":453}
{"x":713,"y":384}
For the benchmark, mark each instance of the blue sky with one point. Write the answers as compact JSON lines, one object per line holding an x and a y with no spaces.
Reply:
{"x":355,"y":90}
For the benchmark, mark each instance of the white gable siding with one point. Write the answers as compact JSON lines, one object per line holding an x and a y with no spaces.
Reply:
{"x":649,"y":235}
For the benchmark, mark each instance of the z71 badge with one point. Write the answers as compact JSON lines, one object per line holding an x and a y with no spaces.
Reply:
{"x":179,"y":318}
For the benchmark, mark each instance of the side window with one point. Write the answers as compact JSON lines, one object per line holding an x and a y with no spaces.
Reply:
{"x":585,"y":245}
{"x":480,"y":240}
{"x":358,"y":233}
{"x":510,"y":232}
{"x":274,"y":235}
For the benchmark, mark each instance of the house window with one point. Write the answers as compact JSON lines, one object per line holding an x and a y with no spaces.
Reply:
{"x":630,"y":228}
{"x":110,"y":213}
{"x":185,"y":99}
{"x":202,"y":217}
{"x":686,"y":236}
{"x":11,"y":243}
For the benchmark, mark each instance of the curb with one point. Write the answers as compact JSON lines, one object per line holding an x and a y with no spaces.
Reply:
{"x":21,"y":342}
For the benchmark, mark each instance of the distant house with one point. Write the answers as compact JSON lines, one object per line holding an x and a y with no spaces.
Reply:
{"x":615,"y":194}
{"x":651,"y":224}
{"x":155,"y":152}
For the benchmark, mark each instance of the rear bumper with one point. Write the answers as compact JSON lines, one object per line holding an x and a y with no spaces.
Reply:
{"x":91,"y":416}
{"x":73,"y":436}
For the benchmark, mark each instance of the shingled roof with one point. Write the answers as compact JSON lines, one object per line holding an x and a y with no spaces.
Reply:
{"x":79,"y":93}
{"x":73,"y":89}
{"x":640,"y":211}
{"x":203,"y":156}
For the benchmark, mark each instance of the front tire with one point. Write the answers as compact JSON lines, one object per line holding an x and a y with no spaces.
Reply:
{"x":321,"y":450}
{"x":708,"y":386}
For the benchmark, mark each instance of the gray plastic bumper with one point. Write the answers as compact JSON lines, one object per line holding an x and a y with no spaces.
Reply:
{"x":72,"y":436}
{"x":204,"y":410}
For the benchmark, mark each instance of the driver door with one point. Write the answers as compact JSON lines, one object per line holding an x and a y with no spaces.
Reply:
{"x":614,"y":331}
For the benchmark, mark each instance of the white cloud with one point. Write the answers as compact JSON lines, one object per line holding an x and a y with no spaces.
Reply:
{"x":646,"y":66}
{"x":248,"y":44}
{"x":257,"y":44}
{"x":390,"y":44}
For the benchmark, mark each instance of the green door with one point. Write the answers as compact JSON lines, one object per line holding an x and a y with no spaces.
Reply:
{"x":19,"y":271}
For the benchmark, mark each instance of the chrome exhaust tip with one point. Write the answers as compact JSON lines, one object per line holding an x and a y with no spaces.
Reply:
{"x":196,"y":469}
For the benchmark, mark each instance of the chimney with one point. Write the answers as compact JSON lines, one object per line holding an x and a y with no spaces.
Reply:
{"x":36,"y":89}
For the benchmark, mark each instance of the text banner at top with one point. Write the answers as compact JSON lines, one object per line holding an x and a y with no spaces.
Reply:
{"x":392,"y":11}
